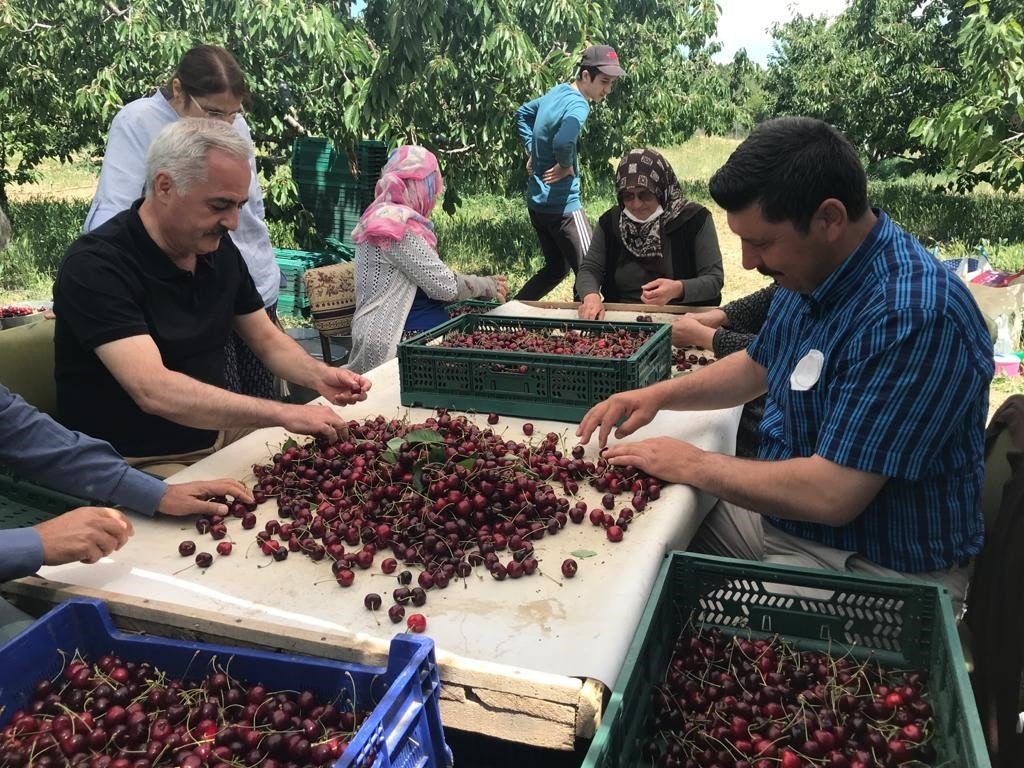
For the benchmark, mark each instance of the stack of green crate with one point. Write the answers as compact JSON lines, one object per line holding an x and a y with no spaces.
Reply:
{"x":370,"y":158}
{"x":293,"y":300}
{"x":334,"y":190}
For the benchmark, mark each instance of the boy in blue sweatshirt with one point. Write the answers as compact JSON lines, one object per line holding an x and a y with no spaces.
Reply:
{"x":549,"y":127}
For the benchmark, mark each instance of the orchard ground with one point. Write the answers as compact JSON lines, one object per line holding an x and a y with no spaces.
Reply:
{"x":487,"y":234}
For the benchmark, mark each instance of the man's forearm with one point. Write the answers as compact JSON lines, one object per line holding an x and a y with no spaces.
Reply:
{"x":289,"y":361}
{"x":804,"y":489}
{"x":184,"y":400}
{"x":731,"y":381}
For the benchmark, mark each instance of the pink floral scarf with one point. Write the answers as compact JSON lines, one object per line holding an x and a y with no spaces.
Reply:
{"x":409,"y":186}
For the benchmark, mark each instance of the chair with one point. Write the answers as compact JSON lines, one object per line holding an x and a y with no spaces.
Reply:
{"x":332,"y":302}
{"x":26,"y":364}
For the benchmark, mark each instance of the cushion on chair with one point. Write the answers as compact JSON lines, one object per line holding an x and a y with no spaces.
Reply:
{"x":331,"y":291}
{"x":26,"y":364}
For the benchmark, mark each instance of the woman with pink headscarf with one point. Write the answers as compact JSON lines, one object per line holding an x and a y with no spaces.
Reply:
{"x":401,"y":283}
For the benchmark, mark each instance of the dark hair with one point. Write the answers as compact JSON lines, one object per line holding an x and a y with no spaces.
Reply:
{"x":209,"y":69}
{"x":592,"y":71}
{"x":789,"y":166}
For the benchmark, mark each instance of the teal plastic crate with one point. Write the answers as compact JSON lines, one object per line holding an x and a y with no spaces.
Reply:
{"x":403,"y":730}
{"x":903,"y":624}
{"x":23,"y":503}
{"x":292,"y":299}
{"x":529,"y":384}
{"x":334,"y":189}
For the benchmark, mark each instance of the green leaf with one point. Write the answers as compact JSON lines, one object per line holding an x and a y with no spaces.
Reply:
{"x":289,"y":443}
{"x":422,"y":436}
{"x":395,"y":444}
{"x":583,"y":553}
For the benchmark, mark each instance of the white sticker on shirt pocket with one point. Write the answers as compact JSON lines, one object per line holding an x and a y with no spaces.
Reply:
{"x":807,"y":371}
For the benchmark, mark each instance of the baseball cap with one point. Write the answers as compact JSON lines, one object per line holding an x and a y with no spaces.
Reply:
{"x":604,"y":58}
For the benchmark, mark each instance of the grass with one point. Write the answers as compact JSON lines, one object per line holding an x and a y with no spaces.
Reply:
{"x":488,"y":234}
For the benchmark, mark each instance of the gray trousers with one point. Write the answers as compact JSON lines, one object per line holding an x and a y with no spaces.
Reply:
{"x":732,"y":531}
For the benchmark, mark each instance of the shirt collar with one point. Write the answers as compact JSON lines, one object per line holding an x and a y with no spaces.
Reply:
{"x":152,"y":256}
{"x":850,"y":275}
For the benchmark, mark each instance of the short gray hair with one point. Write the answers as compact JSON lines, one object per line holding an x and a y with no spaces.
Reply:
{"x":180,"y":150}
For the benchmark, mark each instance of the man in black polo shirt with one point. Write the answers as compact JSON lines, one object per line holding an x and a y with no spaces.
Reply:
{"x":146,"y":302}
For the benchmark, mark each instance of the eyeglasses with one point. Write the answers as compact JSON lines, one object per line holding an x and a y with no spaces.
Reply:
{"x":216,"y":114}
{"x":642,"y":196}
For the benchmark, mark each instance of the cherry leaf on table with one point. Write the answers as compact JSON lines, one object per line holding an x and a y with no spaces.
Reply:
{"x":422,"y":436}
{"x":582,"y":553}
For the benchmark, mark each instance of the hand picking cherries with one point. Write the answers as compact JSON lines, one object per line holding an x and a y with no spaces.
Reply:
{"x":734,"y":701}
{"x":127,"y":714}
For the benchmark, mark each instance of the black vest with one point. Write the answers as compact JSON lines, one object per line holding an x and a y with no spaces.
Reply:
{"x":684,"y":258}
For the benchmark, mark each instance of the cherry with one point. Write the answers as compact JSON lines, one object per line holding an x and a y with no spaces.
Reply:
{"x":492,"y":418}
{"x":405,"y":577}
{"x":224,"y":548}
{"x":187,"y":548}
{"x":569,"y":566}
{"x":396,"y":612}
{"x":528,"y":427}
{"x":614,"y":532}
{"x":345,"y":577}
{"x":373,"y":601}
{"x":417,"y":622}
{"x":204,"y":559}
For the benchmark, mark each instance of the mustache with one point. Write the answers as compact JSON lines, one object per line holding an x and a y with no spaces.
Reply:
{"x":768,"y":272}
{"x":217,"y":231}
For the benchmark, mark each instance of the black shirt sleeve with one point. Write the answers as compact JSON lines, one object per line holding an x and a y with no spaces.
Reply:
{"x":99,"y":302}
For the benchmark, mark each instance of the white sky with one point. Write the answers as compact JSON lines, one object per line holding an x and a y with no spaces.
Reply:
{"x":745,"y":23}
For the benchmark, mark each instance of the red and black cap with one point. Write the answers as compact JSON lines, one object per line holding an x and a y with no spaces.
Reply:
{"x":604,"y":59}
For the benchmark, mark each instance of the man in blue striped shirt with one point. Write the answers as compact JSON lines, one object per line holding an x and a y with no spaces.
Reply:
{"x":876,"y":362}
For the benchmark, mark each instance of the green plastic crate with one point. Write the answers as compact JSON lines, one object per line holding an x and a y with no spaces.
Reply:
{"x":292,"y":299}
{"x":903,"y":624}
{"x":23,"y":503}
{"x":333,"y":190}
{"x":550,"y":386}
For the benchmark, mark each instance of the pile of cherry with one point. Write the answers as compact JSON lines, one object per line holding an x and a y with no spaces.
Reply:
{"x":731,"y":701}
{"x":14,"y":311}
{"x":616,"y":343}
{"x":445,"y":497}
{"x":123,"y":714}
{"x":689,"y":358}
{"x":684,"y":359}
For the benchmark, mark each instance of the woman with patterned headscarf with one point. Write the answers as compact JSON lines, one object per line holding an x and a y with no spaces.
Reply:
{"x":401,"y":283}
{"x":654,"y":247}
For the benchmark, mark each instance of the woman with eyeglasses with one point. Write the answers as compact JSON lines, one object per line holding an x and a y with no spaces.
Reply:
{"x":653,"y":247}
{"x":208,"y":83}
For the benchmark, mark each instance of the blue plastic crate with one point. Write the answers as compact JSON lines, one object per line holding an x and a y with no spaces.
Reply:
{"x":403,"y":731}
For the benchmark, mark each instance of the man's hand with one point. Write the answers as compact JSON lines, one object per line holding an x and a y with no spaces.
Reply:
{"x":689,"y":331}
{"x":317,"y":420}
{"x":85,"y":534}
{"x":663,"y":457}
{"x":592,"y":307}
{"x":342,"y":387}
{"x":637,"y":407}
{"x":556,"y":173}
{"x":661,"y":291}
{"x":191,"y":498}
